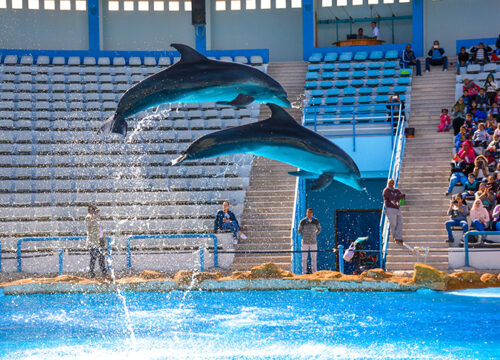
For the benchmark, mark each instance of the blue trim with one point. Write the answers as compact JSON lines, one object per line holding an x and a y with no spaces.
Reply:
{"x":307,"y":28}
{"x":466,"y":242}
{"x":300,"y":210}
{"x":418,"y":27}
{"x":200,"y":32}
{"x":468,"y":43}
{"x":367,"y":48}
{"x":94,"y":28}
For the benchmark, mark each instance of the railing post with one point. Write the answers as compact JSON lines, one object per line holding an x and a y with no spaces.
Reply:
{"x":354,"y":129}
{"x":341,"y":258}
{"x":202,"y":259}
{"x":0,"y":255}
{"x":466,"y":248}
{"x":129,"y":255}
{"x":61,"y":253}
{"x":18,"y":255}
{"x":108,"y":260}
{"x":216,"y":252}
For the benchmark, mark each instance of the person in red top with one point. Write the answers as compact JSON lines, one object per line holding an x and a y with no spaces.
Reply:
{"x":392,"y":198}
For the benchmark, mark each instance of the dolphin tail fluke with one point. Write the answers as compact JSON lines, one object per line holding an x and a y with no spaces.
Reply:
{"x":323,"y":181}
{"x":349,"y":180}
{"x":303,"y":174}
{"x":115,"y":124}
{"x":178,"y":160}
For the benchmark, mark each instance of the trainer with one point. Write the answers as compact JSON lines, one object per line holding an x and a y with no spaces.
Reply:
{"x":309,"y":228}
{"x":392,"y":198}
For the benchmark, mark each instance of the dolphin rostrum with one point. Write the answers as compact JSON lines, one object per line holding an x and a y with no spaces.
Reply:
{"x":281,"y":138}
{"x":195,"y":78}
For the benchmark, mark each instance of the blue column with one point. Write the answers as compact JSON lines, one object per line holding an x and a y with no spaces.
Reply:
{"x":307,"y":28}
{"x":418,"y":27}
{"x":94,"y":37}
{"x":201,"y":38}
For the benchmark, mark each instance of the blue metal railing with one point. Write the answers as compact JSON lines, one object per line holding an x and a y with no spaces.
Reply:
{"x":466,"y":241}
{"x":176,"y":236}
{"x":60,"y":251}
{"x":299,"y":210}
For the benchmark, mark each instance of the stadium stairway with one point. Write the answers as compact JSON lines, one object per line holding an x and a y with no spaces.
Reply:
{"x":424,"y":174}
{"x":268,"y":208}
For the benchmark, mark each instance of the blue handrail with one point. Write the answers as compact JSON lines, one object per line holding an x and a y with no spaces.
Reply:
{"x":299,"y":211}
{"x":466,"y":241}
{"x":55,"y":238}
{"x":173,"y":236}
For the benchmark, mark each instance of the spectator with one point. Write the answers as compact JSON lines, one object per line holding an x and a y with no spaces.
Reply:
{"x":495,"y":217}
{"x":360,"y":34}
{"x":469,"y":124}
{"x":392,"y":198}
{"x":457,"y":175}
{"x":477,"y":114}
{"x":467,"y":99}
{"x":458,"y":112}
{"x":492,"y":162}
{"x":497,"y":98}
{"x":226,"y":220}
{"x":309,"y":228}
{"x":481,"y":171}
{"x":494,"y":112}
{"x":490,"y":124}
{"x":458,"y":216}
{"x":445,"y":121}
{"x":479,"y":216}
{"x":494,"y":145}
{"x":460,"y":138}
{"x":481,"y":137}
{"x":96,"y":242}
{"x":463,"y":57}
{"x":480,"y":54}
{"x":471,"y":87}
{"x":409,"y":59}
{"x":375,"y":32}
{"x":393,"y":106}
{"x":468,"y":156}
{"x":436,"y":58}
{"x":491,"y":88}
{"x":492,"y":184}
{"x":486,"y":196}
{"x":497,"y":172}
{"x":482,"y":100}
{"x":470,"y":187}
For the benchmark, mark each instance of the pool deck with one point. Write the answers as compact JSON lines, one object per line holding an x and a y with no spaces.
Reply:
{"x":264,"y":277}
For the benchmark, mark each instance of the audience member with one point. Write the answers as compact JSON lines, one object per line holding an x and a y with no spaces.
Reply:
{"x":481,"y":171}
{"x":468,"y":156}
{"x":492,"y":162}
{"x":393,"y":106}
{"x":409,"y":59}
{"x":479,"y":216}
{"x":480,"y":53}
{"x":497,"y":98}
{"x":226,"y":220}
{"x":360,"y":34}
{"x":458,"y":112}
{"x":497,"y":172}
{"x":486,"y":196}
{"x":482,"y":100}
{"x":457,"y":175}
{"x":477,"y":114}
{"x":471,"y":87}
{"x":467,"y":99}
{"x":445,"y":123}
{"x":436,"y":57}
{"x":309,"y":228}
{"x":96,"y":242}
{"x":470,"y":187}
{"x":490,"y":124}
{"x":494,"y":112}
{"x":495,"y":217}
{"x":469,"y":124}
{"x":458,"y":216}
{"x":392,"y":198}
{"x":463,"y":57}
{"x":494,"y":145}
{"x":460,"y":138}
{"x":491,"y":88}
{"x":481,"y":138}
{"x":492,"y":184}
{"x":375,"y":31}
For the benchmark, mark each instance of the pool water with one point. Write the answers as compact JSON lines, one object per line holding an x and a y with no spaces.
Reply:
{"x":252,"y":325}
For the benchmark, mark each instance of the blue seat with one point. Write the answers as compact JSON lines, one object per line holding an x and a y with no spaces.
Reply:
{"x":358,"y":74}
{"x":381,"y":98}
{"x":372,"y":82}
{"x":326,"y":84}
{"x":399,"y":89}
{"x":357,"y":83}
{"x":315,"y":101}
{"x":349,"y":91}
{"x":345,"y":56}
{"x":376,"y":55}
{"x":378,"y":109}
{"x":387,"y":82}
{"x":391,"y":55}
{"x":347,"y":109}
{"x":359,"y":66}
{"x":316,"y":57}
{"x":373,"y":73}
{"x":374,"y":66}
{"x":341,"y":84}
{"x":382,"y":90}
{"x":313,"y":67}
{"x":343,"y":75}
{"x":364,"y":100}
{"x":317,"y":93}
{"x":360,"y":56}
{"x":331,"y":57}
{"x":327,"y":75}
{"x":312,"y":76}
{"x":388,"y":73}
{"x":389,"y":64}
{"x":331,"y":100}
{"x":311,"y":85}
{"x":403,"y":81}
{"x":309,"y":110}
{"x":348,"y":100}
{"x":344,"y":67}
{"x":328,"y":67}
{"x":332,"y":92}
{"x":365,"y":91}
{"x":364,"y":108}
{"x":405,"y":72}
{"x":402,"y":97}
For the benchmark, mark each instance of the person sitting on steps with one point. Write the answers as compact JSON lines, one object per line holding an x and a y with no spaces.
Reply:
{"x":226,"y":220}
{"x":458,"y":216}
{"x":436,"y":57}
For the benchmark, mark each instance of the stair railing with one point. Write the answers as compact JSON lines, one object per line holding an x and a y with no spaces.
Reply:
{"x":299,"y":209}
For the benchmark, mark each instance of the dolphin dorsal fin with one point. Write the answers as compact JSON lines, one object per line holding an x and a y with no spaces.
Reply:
{"x":188,"y":54}
{"x":278,"y":114}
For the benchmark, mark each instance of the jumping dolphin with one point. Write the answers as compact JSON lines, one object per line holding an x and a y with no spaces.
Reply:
{"x":195,"y":78}
{"x":281,"y":138}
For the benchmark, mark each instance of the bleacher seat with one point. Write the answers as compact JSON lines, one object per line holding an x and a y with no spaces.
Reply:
{"x":403,"y":81}
{"x":365,"y":91}
{"x":341,"y":84}
{"x":343,"y":75}
{"x":361,"y":56}
{"x":345,"y":56}
{"x":332,"y":92}
{"x":359,"y":66}
{"x":387,"y":81}
{"x":311,"y":85}
{"x":399,"y":89}
{"x":382,"y":90}
{"x":331,"y":100}
{"x":256,"y":60}
{"x":373,"y":73}
{"x":357,"y":82}
{"x":315,"y":101}
{"x":490,"y":67}
{"x":473,"y":69}
{"x":344,"y":66}
{"x":327,"y":75}
{"x":313,"y":67}
{"x":376,"y":55}
{"x":391,"y":55}
{"x":374,"y":66}
{"x":389,"y":65}
{"x":388,"y":73}
{"x":316,"y":57}
{"x":312,"y":76}
{"x":349,"y":91}
{"x":348,"y":100}
{"x":328,"y":67}
{"x":326,"y":84}
{"x":358,"y":74}
{"x":317,"y":93}
{"x":381,"y":98}
{"x":330,"y":57}
{"x":364,"y":99}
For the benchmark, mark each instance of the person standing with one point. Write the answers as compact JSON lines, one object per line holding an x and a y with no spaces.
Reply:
{"x":375,"y":31}
{"x":309,"y":228}
{"x":392,"y":198}
{"x":226,"y":220}
{"x":96,"y":243}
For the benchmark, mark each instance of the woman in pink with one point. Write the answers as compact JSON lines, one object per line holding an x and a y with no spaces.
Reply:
{"x":467,"y":153}
{"x":479,"y":216}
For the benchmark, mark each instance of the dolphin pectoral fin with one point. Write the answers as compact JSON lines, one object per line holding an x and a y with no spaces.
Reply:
{"x":349,"y":180}
{"x":178,"y":160}
{"x":323,"y":181}
{"x":115,"y":124}
{"x":304,"y":174}
{"x":241,"y":100}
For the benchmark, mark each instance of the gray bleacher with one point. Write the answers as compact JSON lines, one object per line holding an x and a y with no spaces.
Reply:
{"x":476,"y":73}
{"x":53,"y":163}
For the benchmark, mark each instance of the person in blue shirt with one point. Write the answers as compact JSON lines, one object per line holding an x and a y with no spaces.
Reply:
{"x":436,"y":57}
{"x":409,"y":59}
{"x":226,"y":220}
{"x":478,"y":115}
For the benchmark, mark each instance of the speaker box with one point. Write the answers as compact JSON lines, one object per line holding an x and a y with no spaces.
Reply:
{"x":198,"y":12}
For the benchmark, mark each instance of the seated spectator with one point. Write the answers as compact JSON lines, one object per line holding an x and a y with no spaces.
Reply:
{"x":495,"y":217}
{"x":463,"y":58}
{"x":457,"y":175}
{"x":486,"y":195}
{"x":458,"y":216}
{"x":468,"y":156}
{"x":477,"y":114}
{"x":471,"y":87}
{"x":467,"y":99}
{"x":494,"y":112}
{"x":492,"y":162}
{"x":470,"y":187}
{"x":481,"y":138}
{"x":436,"y":57}
{"x":482,"y":100}
{"x":481,"y":171}
{"x":473,"y":104}
{"x":491,"y":88}
{"x":469,"y":124}
{"x":480,"y":54}
{"x":360,"y":34}
{"x":494,"y":145}
{"x":408,"y":59}
{"x":497,"y":98}
{"x":492,"y":184}
{"x":491,"y":124}
{"x":460,"y":138}
{"x":479,"y":216}
{"x":458,"y":112}
{"x":445,"y":121}
{"x":393,"y":106}
{"x":226,"y":220}
{"x":497,"y":172}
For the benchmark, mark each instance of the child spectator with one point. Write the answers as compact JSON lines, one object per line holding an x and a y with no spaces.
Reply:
{"x":457,"y":175}
{"x":497,"y":98}
{"x":480,"y":54}
{"x":460,"y":138}
{"x":492,"y":162}
{"x":481,"y":137}
{"x":463,"y":57}
{"x":467,"y":156}
{"x":494,"y":145}
{"x":497,"y":131}
{"x":471,"y":87}
{"x":467,"y":99}
{"x":478,"y":115}
{"x":490,"y":125}
{"x":486,"y":195}
{"x":492,"y":184}
{"x":494,"y":111}
{"x":497,"y":172}
{"x":458,"y":112}
{"x":445,"y":121}
{"x":491,"y":88}
{"x":481,"y":171}
{"x":495,"y":217}
{"x":458,"y":216}
{"x":470,"y":187}
{"x":482,"y":100}
{"x":436,"y":57}
{"x":469,"y":124}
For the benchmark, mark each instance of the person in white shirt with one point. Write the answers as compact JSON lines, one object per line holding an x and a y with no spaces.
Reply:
{"x":375,"y":32}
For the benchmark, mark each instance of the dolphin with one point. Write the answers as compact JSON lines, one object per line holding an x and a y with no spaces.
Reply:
{"x":281,"y":138}
{"x":195,"y":78}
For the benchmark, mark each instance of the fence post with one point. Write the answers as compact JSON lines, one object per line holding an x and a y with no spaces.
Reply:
{"x":466,"y":248}
{"x":0,"y":256}
{"x":341,"y":259}
{"x":61,"y":252}
{"x":129,"y":255}
{"x":18,"y":255}
{"x":216,"y":252}
{"x":202,"y":259}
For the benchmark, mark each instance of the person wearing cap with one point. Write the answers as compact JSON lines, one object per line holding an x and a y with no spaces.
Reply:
{"x":392,"y":198}
{"x":309,"y":228}
{"x":96,"y":243}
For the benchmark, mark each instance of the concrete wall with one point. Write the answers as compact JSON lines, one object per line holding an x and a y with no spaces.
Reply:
{"x":43,"y":29}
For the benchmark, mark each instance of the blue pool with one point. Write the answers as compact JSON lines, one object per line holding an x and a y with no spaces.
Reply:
{"x":252,"y":325}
